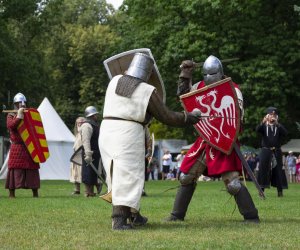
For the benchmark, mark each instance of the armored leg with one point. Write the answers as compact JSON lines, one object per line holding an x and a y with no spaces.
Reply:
{"x":186,"y":190}
{"x":182,"y":201}
{"x":120,"y":215}
{"x":242,"y":196}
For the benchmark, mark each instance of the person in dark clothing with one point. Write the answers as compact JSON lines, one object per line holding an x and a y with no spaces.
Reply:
{"x":91,"y":154}
{"x":270,"y":157}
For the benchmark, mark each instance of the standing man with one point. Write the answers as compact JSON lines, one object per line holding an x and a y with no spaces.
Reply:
{"x":201,"y":157}
{"x":91,"y":154}
{"x":75,"y":169}
{"x":166,"y":164}
{"x":130,"y":103}
{"x":23,"y":172}
{"x":270,"y":157}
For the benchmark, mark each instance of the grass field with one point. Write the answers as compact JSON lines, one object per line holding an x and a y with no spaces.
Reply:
{"x":58,"y":220}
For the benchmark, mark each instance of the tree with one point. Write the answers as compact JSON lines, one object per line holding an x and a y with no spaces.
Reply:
{"x":264,"y":35}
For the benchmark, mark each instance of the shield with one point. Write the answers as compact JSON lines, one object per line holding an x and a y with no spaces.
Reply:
{"x":118,"y":64}
{"x":220,"y":114}
{"x":32,"y":132}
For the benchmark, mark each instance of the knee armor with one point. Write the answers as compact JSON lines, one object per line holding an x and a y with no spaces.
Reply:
{"x":234,"y":186}
{"x":232,"y":182}
{"x":196,"y":170}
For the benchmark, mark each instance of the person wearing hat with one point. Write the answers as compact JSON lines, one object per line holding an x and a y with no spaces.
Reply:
{"x":291,"y":164}
{"x":23,"y":172}
{"x":270,"y":157}
{"x":130,"y":104}
{"x":89,"y":131}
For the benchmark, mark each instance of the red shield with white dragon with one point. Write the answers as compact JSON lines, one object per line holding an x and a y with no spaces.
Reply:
{"x":220,"y":114}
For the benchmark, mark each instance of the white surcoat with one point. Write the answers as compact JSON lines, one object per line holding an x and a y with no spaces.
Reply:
{"x":122,"y":143}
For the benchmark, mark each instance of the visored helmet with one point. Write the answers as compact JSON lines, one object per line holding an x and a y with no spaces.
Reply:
{"x":141,"y":66}
{"x":212,"y":70}
{"x":90,"y":111}
{"x":20,"y":98}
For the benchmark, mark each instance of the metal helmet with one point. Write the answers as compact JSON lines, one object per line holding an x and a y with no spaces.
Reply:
{"x":90,"y":111}
{"x":212,"y":70}
{"x":141,"y":66}
{"x":20,"y":98}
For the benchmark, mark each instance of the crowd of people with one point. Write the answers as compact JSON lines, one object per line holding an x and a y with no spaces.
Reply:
{"x":120,"y":150}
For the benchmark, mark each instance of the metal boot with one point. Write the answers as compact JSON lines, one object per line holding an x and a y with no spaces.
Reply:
{"x":138,"y":220}
{"x":246,"y":205}
{"x":182,"y":201}
{"x":119,"y":216}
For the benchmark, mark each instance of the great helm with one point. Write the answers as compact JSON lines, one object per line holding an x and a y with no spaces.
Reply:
{"x":212,"y":70}
{"x":20,"y":98}
{"x":141,"y":66}
{"x":90,"y":111}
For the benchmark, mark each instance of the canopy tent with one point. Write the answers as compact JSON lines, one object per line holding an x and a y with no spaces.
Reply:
{"x":292,"y":145}
{"x":60,"y":143}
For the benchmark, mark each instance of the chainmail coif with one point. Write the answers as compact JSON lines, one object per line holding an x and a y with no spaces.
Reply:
{"x":126,"y":85}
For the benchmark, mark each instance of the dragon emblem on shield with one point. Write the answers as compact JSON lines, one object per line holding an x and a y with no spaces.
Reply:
{"x":220,"y":115}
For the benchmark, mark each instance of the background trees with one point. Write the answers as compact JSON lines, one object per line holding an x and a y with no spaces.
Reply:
{"x":56,"y":48}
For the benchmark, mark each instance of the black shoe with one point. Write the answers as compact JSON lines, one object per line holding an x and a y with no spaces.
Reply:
{"x":76,"y":193}
{"x":144,"y":193}
{"x":138,"y":220}
{"x":173,"y":218}
{"x":254,"y":221}
{"x":280,"y":194}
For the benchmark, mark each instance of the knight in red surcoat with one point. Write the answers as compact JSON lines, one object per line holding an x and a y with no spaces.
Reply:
{"x":23,"y":172}
{"x":204,"y":159}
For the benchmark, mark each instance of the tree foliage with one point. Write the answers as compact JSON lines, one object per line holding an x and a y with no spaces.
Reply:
{"x":56,"y":48}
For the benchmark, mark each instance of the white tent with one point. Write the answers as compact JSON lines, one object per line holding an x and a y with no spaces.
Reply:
{"x":60,"y":143}
{"x":292,"y":145}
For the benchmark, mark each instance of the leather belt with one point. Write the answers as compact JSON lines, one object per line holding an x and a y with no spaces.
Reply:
{"x":122,"y":119}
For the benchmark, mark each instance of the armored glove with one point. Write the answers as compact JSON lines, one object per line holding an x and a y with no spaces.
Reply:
{"x":193,"y":117}
{"x":20,"y":114}
{"x":185,"y":77}
{"x":88,"y":157}
{"x":187,"y":68}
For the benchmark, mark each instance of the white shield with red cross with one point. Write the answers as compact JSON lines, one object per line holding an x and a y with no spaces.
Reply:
{"x":220,"y":114}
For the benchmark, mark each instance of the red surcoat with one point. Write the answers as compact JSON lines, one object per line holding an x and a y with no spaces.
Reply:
{"x":216,"y":161}
{"x":19,"y":157}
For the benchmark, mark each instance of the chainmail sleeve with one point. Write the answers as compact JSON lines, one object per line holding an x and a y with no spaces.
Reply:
{"x":161,"y":112}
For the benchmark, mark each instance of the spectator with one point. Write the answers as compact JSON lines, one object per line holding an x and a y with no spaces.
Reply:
{"x":170,"y":175}
{"x":298,"y":169}
{"x":270,"y":157}
{"x":291,"y":164}
{"x":166,"y":162}
{"x":179,"y":159}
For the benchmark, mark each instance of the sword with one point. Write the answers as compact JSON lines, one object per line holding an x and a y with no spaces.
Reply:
{"x":77,"y":159}
{"x":249,"y":171}
{"x":213,"y":116}
{"x":96,"y":171}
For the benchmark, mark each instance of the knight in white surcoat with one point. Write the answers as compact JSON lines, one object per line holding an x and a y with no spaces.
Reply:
{"x":130,"y":103}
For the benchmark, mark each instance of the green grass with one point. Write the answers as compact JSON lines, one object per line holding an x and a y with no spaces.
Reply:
{"x":58,"y":220}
